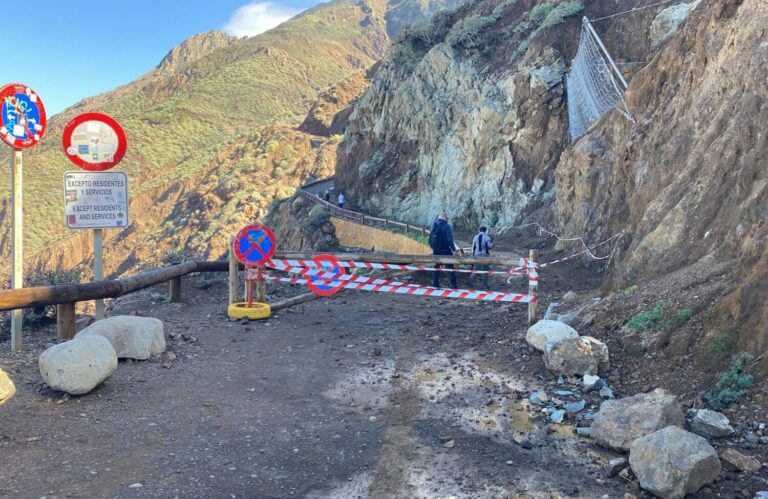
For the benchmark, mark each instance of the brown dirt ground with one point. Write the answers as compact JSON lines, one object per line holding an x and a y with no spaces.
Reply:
{"x":355,"y":396}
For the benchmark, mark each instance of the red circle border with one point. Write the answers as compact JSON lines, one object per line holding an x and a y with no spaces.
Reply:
{"x":16,"y":88}
{"x":241,"y":234}
{"x":332,"y":291}
{"x":122,"y":141}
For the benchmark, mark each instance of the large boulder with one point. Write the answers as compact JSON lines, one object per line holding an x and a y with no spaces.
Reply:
{"x":547,"y":331}
{"x":79,"y":365}
{"x":583,"y":355}
{"x":711,"y":424}
{"x":132,"y":337}
{"x":7,"y":388}
{"x":620,"y":422}
{"x":672,"y":462}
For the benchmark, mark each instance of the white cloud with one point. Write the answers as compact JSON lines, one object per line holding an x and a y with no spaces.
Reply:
{"x":258,"y":17}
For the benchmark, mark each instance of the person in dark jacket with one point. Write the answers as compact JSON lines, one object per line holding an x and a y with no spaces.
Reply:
{"x":441,"y":242}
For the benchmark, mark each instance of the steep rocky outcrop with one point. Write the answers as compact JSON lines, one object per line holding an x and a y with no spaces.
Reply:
{"x":688,"y":182}
{"x":468,"y":115}
{"x":193,"y":49}
{"x":330,"y":112}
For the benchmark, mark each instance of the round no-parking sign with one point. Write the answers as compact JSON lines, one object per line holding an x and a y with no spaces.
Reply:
{"x":254,"y":244}
{"x":22,"y":116}
{"x":326,"y":286}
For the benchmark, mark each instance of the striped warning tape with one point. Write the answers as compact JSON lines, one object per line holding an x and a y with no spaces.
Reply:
{"x":289,"y":266}
{"x":415,"y":289}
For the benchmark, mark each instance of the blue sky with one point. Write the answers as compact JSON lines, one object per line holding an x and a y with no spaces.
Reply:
{"x":67,"y":50}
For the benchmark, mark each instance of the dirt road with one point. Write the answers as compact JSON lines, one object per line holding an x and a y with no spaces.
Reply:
{"x":362,"y":395}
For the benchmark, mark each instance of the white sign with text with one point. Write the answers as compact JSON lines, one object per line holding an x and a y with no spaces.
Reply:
{"x":96,"y":200}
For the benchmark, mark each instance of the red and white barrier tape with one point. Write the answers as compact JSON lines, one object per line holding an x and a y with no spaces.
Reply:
{"x":414,"y":289}
{"x":289,"y":265}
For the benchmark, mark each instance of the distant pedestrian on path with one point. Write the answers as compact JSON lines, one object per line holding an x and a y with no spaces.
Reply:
{"x":441,"y":242}
{"x":327,"y":195}
{"x":481,"y":248}
{"x":342,"y":200}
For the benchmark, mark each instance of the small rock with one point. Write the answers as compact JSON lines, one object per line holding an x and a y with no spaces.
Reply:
{"x":672,"y":462}
{"x":450,"y":444}
{"x":135,"y":486}
{"x":735,"y":460}
{"x":557,"y":416}
{"x":711,"y":424}
{"x":606,"y":392}
{"x":616,"y":465}
{"x":570,"y":297}
{"x":589,"y":381}
{"x":763,"y":494}
{"x":539,"y":398}
{"x":7,"y":388}
{"x":620,"y":422}
{"x":751,"y":438}
{"x":170,"y":357}
{"x":584,"y":431}
{"x":547,"y":331}
{"x":575,"y":407}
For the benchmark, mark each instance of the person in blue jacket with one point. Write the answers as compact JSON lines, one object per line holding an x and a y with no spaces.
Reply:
{"x":441,"y":242}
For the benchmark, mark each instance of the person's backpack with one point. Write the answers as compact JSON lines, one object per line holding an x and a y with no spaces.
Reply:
{"x":437,"y":237}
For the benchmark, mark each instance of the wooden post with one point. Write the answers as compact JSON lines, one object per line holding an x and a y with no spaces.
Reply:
{"x":175,"y":289}
{"x":386,"y":223}
{"x":533,"y":289}
{"x":407,"y":228}
{"x":233,"y":266}
{"x":65,"y":321}
{"x":98,"y":267}
{"x":17,"y":249}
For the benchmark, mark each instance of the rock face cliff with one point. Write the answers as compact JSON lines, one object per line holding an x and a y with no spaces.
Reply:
{"x":470,"y":115}
{"x":689,"y":181}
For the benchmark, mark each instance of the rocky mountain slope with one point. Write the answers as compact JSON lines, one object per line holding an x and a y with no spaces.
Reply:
{"x":199,"y":117}
{"x":469,"y":114}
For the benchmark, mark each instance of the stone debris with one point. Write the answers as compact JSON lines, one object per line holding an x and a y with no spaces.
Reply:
{"x":711,"y":424}
{"x":539,"y":398}
{"x":672,"y":462}
{"x":615,"y":465}
{"x":131,"y":337}
{"x":606,"y":392}
{"x":575,"y":407}
{"x":548,"y":331}
{"x":7,"y":388}
{"x":735,"y":460}
{"x":583,"y":355}
{"x":78,"y":366}
{"x":589,"y":381}
{"x":620,"y":422}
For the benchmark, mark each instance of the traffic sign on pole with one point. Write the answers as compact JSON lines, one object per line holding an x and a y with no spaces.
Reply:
{"x":325,"y":286}
{"x":94,"y":141}
{"x":22,"y":125}
{"x":254,"y":244}
{"x":22,"y":116}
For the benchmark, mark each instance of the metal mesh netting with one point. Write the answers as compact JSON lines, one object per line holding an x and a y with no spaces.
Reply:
{"x":591,"y":85}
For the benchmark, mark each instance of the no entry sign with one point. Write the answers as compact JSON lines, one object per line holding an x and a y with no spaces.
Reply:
{"x":94,"y":142}
{"x":325,"y":286}
{"x":22,"y":116}
{"x":254,"y":244}
{"x":96,"y":200}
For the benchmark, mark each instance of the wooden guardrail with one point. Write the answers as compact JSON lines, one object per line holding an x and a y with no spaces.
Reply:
{"x":66,"y":296}
{"x":362,"y":218}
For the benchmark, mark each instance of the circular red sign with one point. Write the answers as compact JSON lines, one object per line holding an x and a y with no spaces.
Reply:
{"x":94,"y":141}
{"x":254,"y":244}
{"x":22,"y":116}
{"x":326,"y":286}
